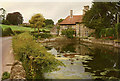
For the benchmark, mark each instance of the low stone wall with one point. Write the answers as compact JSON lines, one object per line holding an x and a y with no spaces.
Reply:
{"x":17,"y":71}
{"x":100,"y":41}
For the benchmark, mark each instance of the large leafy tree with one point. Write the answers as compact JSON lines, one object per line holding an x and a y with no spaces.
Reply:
{"x":14,"y":18}
{"x":49,"y":22}
{"x":37,"y":21}
{"x":101,"y":15}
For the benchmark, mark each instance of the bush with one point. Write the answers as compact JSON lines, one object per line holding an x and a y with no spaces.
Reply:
{"x":118,"y":29}
{"x":25,"y":25}
{"x":1,"y":31}
{"x":42,"y":35}
{"x":34,"y":57}
{"x":7,"y":32}
{"x":5,"y":75}
{"x":68,"y":32}
{"x":6,"y":22}
{"x":18,"y":32}
{"x":45,"y":31}
{"x":49,"y":26}
{"x":108,"y":33}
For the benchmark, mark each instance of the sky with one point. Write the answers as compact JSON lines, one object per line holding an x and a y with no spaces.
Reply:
{"x":50,"y":9}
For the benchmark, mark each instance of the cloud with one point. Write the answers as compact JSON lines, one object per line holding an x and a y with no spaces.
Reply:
{"x":50,"y":10}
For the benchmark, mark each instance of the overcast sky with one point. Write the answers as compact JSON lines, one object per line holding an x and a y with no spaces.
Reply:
{"x":50,"y":10}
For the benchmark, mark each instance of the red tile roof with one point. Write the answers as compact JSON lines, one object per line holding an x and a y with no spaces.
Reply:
{"x":68,"y":20}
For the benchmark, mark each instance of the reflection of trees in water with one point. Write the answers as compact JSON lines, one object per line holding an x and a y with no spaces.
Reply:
{"x":104,"y":57}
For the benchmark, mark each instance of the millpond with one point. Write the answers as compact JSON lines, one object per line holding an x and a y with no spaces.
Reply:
{"x":84,"y":60}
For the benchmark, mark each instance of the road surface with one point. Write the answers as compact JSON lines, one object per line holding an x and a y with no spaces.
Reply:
{"x":6,"y":55}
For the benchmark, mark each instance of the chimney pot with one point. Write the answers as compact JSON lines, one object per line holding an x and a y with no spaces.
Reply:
{"x":71,"y":13}
{"x":86,"y":8}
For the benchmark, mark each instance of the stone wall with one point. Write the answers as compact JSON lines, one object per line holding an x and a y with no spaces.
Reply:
{"x":17,"y":71}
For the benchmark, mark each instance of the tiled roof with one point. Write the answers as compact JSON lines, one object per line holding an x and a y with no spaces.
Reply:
{"x":68,"y":20}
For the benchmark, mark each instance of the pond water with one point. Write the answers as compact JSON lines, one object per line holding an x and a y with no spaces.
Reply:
{"x":84,"y":60}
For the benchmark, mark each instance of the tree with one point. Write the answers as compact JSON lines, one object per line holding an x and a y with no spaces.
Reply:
{"x":14,"y":18}
{"x":60,"y":20}
{"x":2,"y":15}
{"x":37,"y":21}
{"x":49,"y":22}
{"x":99,"y":17}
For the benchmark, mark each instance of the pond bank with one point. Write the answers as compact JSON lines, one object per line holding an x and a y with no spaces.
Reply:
{"x":104,"y":42}
{"x":97,"y":41}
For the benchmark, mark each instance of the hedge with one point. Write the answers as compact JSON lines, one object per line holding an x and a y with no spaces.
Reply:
{"x":34,"y":57}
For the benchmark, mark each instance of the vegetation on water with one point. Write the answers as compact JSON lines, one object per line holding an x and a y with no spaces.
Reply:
{"x":35,"y":58}
{"x":68,"y":32}
{"x":5,"y":75}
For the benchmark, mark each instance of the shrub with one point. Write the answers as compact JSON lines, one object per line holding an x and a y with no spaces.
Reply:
{"x":49,"y":26}
{"x":25,"y":25}
{"x":1,"y":31}
{"x":108,"y":33}
{"x":6,"y":22}
{"x":68,"y":32}
{"x":117,"y":27}
{"x":18,"y":32}
{"x":45,"y":31}
{"x":35,"y":58}
{"x":5,"y":75}
{"x":42,"y":35}
{"x":7,"y":32}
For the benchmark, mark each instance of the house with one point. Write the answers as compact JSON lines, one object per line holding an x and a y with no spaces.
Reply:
{"x":75,"y":22}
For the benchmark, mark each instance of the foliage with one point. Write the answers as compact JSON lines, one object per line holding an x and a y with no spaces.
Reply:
{"x":35,"y":58}
{"x":49,"y":22}
{"x":25,"y":25}
{"x":2,"y":14}
{"x":49,"y":26}
{"x":22,"y":29}
{"x":37,"y":21}
{"x":68,"y":32}
{"x":5,"y":75}
{"x":60,"y":20}
{"x":14,"y":18}
{"x":7,"y":32}
{"x":117,"y":27}
{"x":58,"y":30}
{"x":108,"y":33}
{"x":6,"y":22}
{"x":100,"y":17}
{"x":42,"y":35}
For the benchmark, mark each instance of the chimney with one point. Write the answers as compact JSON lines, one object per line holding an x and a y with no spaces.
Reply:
{"x":71,"y":13}
{"x":86,"y":8}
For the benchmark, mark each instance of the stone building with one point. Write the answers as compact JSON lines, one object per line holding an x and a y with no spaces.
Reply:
{"x":75,"y":22}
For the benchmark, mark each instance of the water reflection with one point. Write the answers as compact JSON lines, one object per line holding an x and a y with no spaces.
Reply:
{"x":85,"y":60}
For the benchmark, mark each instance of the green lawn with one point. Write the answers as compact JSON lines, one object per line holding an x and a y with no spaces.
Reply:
{"x":20,"y":28}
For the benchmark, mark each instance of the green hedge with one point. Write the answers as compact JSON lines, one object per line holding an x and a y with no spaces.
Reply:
{"x":35,"y":58}
{"x":68,"y":32}
{"x":42,"y":35}
{"x":7,"y":32}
